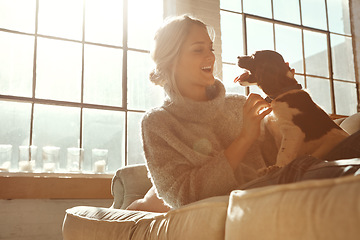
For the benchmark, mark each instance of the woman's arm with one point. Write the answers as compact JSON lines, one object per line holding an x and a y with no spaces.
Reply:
{"x":150,"y":203}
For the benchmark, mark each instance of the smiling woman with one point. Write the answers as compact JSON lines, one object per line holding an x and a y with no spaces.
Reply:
{"x":198,"y":143}
{"x":194,"y":68}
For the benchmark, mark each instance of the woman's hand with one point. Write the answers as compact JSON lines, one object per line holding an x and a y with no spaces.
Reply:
{"x":255,"y":109}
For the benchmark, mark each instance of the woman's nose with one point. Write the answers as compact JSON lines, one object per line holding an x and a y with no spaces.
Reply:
{"x":210,"y":56}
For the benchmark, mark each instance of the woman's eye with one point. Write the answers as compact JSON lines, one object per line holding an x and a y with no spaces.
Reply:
{"x":198,"y":50}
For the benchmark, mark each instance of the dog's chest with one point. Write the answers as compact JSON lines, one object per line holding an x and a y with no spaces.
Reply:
{"x":283,"y":112}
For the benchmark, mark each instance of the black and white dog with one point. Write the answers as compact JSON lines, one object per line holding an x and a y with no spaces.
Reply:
{"x":300,"y":127}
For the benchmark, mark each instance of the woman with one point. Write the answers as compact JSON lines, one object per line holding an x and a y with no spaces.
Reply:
{"x":201,"y":142}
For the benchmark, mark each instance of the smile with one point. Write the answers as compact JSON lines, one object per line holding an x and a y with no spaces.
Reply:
{"x":207,"y":68}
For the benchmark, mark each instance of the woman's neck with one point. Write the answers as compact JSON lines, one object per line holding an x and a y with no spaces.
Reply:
{"x":195,"y":93}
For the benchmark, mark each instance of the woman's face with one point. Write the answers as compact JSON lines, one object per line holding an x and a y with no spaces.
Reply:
{"x":194,"y":70}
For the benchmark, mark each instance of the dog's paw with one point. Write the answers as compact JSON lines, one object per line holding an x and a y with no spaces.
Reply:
{"x":268,"y":170}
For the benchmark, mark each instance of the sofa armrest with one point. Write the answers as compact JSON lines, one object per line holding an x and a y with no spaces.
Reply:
{"x":129,"y":184}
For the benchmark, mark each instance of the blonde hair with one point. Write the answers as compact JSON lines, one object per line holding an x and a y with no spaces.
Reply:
{"x":168,"y":42}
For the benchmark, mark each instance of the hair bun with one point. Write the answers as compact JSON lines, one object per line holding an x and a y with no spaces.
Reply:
{"x":156,"y":78}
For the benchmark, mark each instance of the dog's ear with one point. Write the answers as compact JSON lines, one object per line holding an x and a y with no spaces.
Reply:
{"x":268,"y":73}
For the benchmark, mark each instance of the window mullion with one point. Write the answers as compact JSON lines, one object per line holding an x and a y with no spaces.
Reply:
{"x":80,"y":143}
{"x":124,"y":73}
{"x":34,"y":74}
{"x":331,"y":74}
{"x":247,"y":89}
{"x":331,"y":70}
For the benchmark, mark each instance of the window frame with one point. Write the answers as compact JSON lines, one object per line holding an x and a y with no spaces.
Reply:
{"x":81,"y":105}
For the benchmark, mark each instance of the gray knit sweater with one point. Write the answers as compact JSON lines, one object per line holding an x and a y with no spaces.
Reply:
{"x":184,"y":143}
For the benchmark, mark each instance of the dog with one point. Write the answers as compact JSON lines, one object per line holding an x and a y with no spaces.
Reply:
{"x":299,"y":126}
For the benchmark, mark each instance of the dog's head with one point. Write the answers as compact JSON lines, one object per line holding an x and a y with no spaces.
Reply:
{"x":268,"y":70}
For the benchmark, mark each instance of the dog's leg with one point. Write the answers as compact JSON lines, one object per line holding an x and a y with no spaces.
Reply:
{"x":293,"y":139}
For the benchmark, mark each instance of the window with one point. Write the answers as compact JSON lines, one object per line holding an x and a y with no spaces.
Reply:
{"x":313,"y":36}
{"x":74,"y":73}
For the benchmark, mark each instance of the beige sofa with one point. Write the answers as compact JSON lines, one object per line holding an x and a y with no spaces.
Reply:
{"x":315,"y":209}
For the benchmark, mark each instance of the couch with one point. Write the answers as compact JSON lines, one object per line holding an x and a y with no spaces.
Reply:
{"x":313,"y":209}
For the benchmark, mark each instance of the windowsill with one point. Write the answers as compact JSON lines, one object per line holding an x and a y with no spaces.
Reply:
{"x":21,"y":185}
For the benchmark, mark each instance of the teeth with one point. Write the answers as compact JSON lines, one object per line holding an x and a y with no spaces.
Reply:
{"x":204,"y":68}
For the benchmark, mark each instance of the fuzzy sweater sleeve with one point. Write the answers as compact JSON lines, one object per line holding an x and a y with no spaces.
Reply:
{"x":181,"y":174}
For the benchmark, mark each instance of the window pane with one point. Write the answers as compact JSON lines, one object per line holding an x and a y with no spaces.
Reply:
{"x":345,"y":98}
{"x":313,"y":13}
{"x":233,"y":5}
{"x":15,"y":126}
{"x":16,"y":64}
{"x":61,"y":18}
{"x":289,"y":45}
{"x":56,"y":126}
{"x":231,"y":36}
{"x":300,"y":79}
{"x":18,"y":15}
{"x":142,"y":93}
{"x":259,"y":7}
{"x":103,"y":75}
{"x":342,"y":57}
{"x":316,"y":54}
{"x":259,"y":36}
{"x":339,"y":16}
{"x":58,"y":70}
{"x":109,"y":27}
{"x":256,"y":89}
{"x":230,"y":72}
{"x":287,"y":11}
{"x":319,"y":90}
{"x":104,"y":130}
{"x":135,"y":148}
{"x":145,"y":17}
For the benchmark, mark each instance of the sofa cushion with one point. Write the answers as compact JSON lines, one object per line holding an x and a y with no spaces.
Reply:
{"x":204,"y":219}
{"x":314,"y":209}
